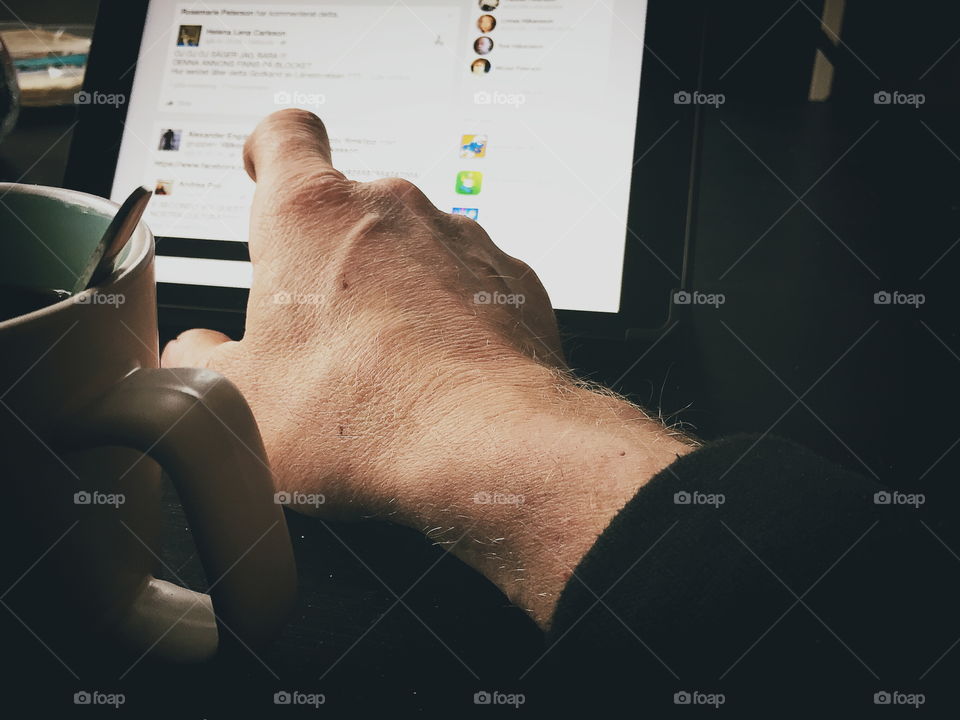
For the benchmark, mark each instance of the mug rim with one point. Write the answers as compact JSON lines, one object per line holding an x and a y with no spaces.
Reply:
{"x":139,"y":255}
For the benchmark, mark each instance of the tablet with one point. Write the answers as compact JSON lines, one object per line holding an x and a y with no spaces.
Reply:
{"x":555,"y":124}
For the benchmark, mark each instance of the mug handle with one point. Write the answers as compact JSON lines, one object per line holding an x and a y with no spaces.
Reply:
{"x":199,"y":428}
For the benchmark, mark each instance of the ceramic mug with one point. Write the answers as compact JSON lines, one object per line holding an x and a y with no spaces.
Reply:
{"x":87,"y":421}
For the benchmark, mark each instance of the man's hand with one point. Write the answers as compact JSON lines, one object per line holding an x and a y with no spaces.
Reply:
{"x":402,"y":365}
{"x":369,"y":314}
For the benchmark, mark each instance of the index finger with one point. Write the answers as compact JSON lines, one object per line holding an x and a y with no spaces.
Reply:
{"x":285,"y":144}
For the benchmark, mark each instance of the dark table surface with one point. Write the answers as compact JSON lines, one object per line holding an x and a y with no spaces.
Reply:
{"x":804,"y":211}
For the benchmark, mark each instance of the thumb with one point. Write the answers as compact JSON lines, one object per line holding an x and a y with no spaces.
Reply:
{"x":192,"y":348}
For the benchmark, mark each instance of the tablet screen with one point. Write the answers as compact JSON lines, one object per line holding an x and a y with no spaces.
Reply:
{"x":519,"y":114}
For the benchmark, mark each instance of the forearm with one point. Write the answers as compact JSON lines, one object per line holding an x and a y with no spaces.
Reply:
{"x":522,"y":475}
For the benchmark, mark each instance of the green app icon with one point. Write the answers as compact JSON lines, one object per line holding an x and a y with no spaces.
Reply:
{"x":469,"y":182}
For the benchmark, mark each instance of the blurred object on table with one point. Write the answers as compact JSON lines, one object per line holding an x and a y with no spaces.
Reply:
{"x":49,"y":61}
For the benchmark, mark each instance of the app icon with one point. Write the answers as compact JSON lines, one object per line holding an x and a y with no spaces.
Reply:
{"x":473,"y":146}
{"x":469,"y":182}
{"x":471,"y":213}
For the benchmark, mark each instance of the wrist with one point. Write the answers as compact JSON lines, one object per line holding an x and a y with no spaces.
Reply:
{"x":520,"y":474}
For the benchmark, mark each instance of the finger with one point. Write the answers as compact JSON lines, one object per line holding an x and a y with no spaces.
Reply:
{"x":192,"y":348}
{"x":286,"y":143}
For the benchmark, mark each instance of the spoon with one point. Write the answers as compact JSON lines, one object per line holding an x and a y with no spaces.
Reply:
{"x":114,"y":240}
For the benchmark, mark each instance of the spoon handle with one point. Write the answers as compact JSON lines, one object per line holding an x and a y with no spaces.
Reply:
{"x":114,"y":239}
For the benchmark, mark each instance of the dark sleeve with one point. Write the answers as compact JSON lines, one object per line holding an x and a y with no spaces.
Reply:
{"x":755,"y":569}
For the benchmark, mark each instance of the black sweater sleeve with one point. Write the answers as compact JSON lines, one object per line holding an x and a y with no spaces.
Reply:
{"x":755,"y":572}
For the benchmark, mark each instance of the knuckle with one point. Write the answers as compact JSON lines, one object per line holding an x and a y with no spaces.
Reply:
{"x":461,"y":221}
{"x":398,"y":190}
{"x":472,"y":241}
{"x":394,"y":186}
{"x":464,"y":230}
{"x":520,"y":269}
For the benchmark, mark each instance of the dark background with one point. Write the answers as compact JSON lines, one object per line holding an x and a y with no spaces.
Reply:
{"x":878,"y":384}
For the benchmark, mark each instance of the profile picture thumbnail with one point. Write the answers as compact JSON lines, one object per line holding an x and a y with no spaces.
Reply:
{"x":163,"y":187}
{"x":486,"y":23}
{"x":189,"y":36}
{"x":480,"y":66}
{"x":488,"y":5}
{"x":170,"y":139}
{"x":482,"y":45}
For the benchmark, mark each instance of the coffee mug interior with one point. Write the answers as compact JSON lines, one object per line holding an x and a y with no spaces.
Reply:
{"x":47,"y":239}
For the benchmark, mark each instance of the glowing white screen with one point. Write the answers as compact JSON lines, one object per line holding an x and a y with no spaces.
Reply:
{"x":546,"y":171}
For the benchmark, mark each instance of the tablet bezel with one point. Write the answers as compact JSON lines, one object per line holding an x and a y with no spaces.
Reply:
{"x":662,"y":191}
